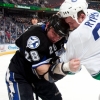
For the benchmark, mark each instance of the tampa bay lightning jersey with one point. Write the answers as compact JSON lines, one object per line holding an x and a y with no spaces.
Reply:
{"x":36,"y":47}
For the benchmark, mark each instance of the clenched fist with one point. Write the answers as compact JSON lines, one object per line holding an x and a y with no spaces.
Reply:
{"x":73,"y":66}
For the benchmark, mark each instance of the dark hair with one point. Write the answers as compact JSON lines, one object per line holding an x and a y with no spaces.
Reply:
{"x":59,"y":25}
{"x":35,"y":16}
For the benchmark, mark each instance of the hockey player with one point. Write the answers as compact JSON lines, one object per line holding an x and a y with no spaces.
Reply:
{"x":84,"y":41}
{"x":32,"y":69}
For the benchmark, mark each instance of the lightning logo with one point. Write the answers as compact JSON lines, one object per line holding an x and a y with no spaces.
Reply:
{"x":33,"y":42}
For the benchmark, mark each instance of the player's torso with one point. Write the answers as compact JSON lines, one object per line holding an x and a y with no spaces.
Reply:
{"x":35,"y":49}
{"x":86,"y":42}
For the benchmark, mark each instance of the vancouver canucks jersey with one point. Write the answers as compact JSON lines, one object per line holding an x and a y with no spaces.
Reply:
{"x":84,"y":43}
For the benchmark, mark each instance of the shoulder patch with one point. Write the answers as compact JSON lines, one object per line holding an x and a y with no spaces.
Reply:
{"x":33,"y":42}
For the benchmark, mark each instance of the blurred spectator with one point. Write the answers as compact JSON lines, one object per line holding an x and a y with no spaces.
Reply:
{"x":12,"y":25}
{"x":2,"y":36}
{"x":35,"y":20}
{"x":39,"y":3}
{"x":50,"y":3}
{"x":94,"y":5}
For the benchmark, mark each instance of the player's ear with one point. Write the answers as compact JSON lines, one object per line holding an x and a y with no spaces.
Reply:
{"x":81,"y":17}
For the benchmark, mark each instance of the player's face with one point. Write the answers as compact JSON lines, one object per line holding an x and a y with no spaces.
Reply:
{"x":72,"y":23}
{"x":53,"y":36}
{"x":34,"y":21}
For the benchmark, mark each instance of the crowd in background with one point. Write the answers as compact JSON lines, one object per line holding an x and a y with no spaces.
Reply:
{"x":13,"y":25}
{"x":39,"y":3}
{"x":10,"y":30}
{"x":94,"y":4}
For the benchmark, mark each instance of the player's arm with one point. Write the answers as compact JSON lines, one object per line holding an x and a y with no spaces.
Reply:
{"x":55,"y":72}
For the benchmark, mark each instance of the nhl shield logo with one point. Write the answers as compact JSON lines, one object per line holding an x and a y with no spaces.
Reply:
{"x":33,"y":42}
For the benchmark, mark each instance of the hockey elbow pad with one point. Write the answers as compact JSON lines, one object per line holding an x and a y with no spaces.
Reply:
{"x":54,"y":74}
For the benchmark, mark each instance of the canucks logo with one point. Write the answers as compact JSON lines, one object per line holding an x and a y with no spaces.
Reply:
{"x":33,"y":42}
{"x":73,"y":0}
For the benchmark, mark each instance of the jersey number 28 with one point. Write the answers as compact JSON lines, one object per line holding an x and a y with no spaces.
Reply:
{"x":32,"y":56}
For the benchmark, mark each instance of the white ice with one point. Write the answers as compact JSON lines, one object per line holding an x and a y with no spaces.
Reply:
{"x":80,"y":86}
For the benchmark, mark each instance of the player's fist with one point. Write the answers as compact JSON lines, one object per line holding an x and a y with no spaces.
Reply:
{"x":74,"y":65}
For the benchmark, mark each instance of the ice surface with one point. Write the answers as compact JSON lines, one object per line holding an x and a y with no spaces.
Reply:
{"x":80,"y":86}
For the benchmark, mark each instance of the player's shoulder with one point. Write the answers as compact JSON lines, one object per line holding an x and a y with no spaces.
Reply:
{"x":35,"y":30}
{"x":34,"y":27}
{"x":92,"y":11}
{"x":39,"y":33}
{"x":74,"y":33}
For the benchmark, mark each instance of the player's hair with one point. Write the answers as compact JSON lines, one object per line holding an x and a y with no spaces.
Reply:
{"x":35,"y":16}
{"x":59,"y":25}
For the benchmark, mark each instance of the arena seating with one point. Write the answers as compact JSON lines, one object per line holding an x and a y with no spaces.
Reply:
{"x":13,"y":25}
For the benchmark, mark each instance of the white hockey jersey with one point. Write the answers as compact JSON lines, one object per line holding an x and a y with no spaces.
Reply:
{"x":84,"y":43}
